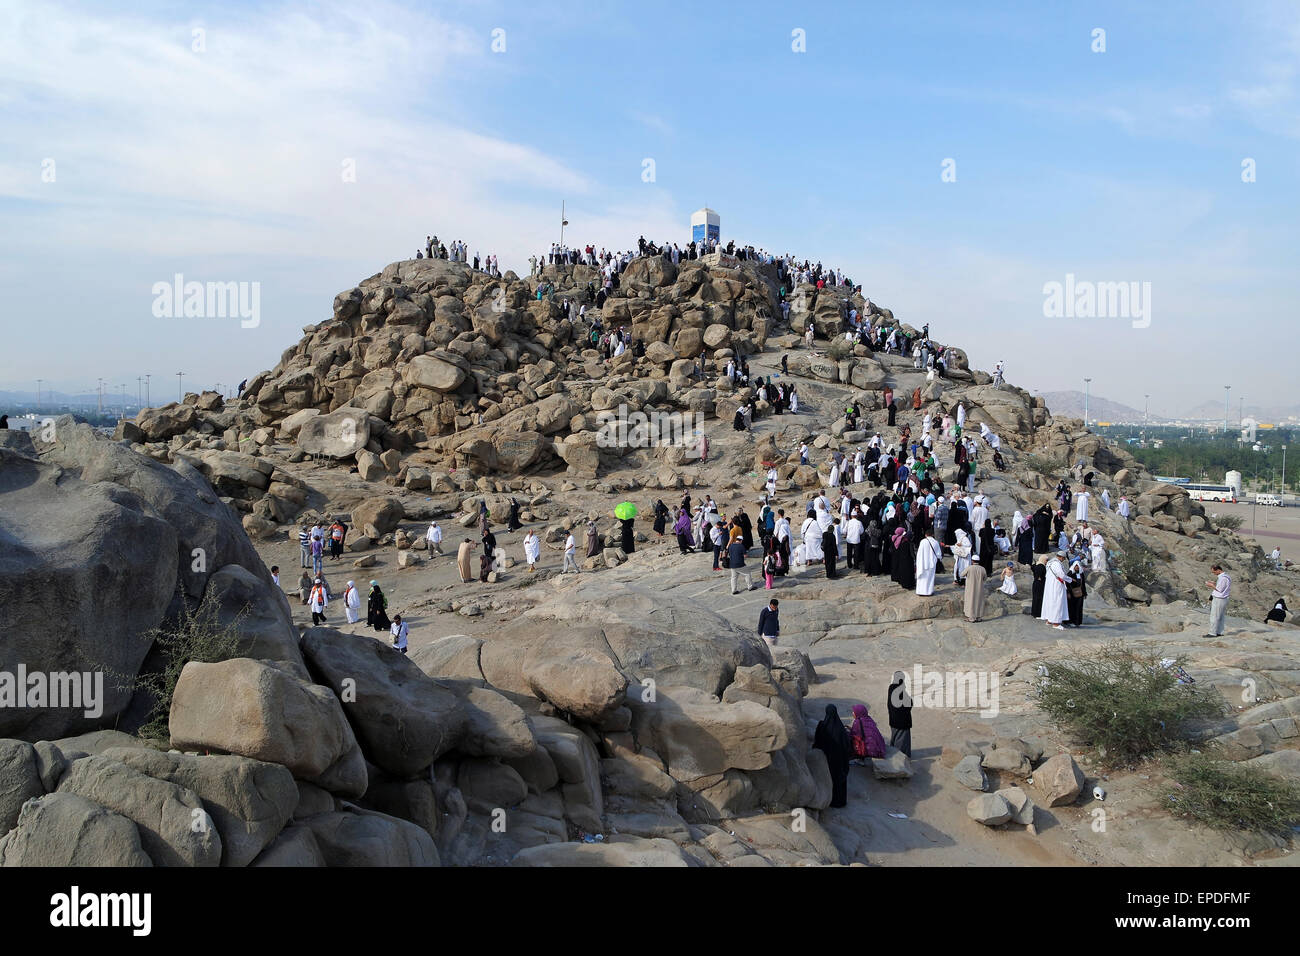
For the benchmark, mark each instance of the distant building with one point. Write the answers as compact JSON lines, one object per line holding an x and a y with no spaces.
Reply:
{"x":705,"y":224}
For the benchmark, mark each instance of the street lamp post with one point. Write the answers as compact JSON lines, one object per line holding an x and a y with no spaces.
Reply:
{"x":146,"y":389}
{"x":1087,"y":388}
{"x":180,"y":385}
{"x":1284,"y":475}
{"x":1226,"y":390}
{"x":38,"y":395}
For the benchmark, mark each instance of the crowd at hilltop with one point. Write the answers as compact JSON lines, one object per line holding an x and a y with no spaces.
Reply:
{"x":791,"y":271}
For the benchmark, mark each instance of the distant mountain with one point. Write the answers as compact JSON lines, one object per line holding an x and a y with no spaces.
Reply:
{"x":1213,"y":411}
{"x":1070,"y":405}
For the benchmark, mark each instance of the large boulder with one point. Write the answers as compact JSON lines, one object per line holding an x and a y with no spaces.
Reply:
{"x":85,"y":571}
{"x":698,"y":735}
{"x":441,"y":371}
{"x":569,"y":668}
{"x":262,"y":710}
{"x":20,"y":780}
{"x":356,"y":837}
{"x":618,"y":850}
{"x":340,"y":434}
{"x":403,"y":719}
{"x":260,"y":613}
{"x":378,"y":515}
{"x":249,"y":801}
{"x":1059,"y":780}
{"x":160,"y":424}
{"x":207,"y":533}
{"x":64,"y":829}
{"x":174,"y":827}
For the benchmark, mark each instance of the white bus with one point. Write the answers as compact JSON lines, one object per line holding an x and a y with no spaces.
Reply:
{"x":1211,"y":493}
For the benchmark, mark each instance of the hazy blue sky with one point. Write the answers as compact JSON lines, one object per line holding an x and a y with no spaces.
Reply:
{"x":225,"y":164}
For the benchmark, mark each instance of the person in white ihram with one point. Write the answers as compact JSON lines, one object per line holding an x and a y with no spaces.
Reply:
{"x":318,"y":600}
{"x":400,"y":631}
{"x":1008,"y":579}
{"x":532,"y":549}
{"x":434,"y":537}
{"x":1081,"y":504}
{"x":927,"y":560}
{"x":1055,"y":609}
{"x":1097,"y":544}
{"x":1123,"y":508}
{"x":351,"y":602}
{"x":812,"y":538}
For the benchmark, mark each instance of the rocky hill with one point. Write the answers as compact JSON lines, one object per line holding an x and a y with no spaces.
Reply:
{"x":624,"y":717}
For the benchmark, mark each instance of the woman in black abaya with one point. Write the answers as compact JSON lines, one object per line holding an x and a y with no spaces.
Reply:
{"x":833,"y":740}
{"x":1040,"y":581}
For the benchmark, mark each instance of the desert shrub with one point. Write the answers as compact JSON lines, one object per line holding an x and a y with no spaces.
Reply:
{"x":1047,"y":467}
{"x":1121,"y":701}
{"x":197,"y":635}
{"x":1138,"y":564}
{"x":1230,"y":796}
{"x":839,"y":349}
{"x":1226,"y":522}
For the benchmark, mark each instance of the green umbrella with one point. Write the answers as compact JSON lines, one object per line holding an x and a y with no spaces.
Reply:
{"x":625,"y":510}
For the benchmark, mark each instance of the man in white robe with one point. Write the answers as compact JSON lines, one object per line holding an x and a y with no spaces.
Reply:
{"x":835,"y":475}
{"x":978,"y":515}
{"x":771,"y":482}
{"x":532,"y":549}
{"x":1105,"y":498}
{"x":812,"y":538}
{"x":1098,"y":548}
{"x":1123,"y":507}
{"x":351,"y":602}
{"x":961,"y":416}
{"x":961,"y":551}
{"x":434,"y":537}
{"x":1081,"y":504}
{"x":1055,"y":609}
{"x":927,"y":560}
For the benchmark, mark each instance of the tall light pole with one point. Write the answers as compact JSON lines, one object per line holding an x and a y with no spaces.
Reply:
{"x":1284,"y":474}
{"x":123,"y":387}
{"x":38,"y":395}
{"x":101,"y":396}
{"x":180,"y":383}
{"x":1226,"y":390}
{"x":139,"y":391}
{"x":1086,"y":389}
{"x":146,"y":389}
{"x":563,"y":222}
{"x":1146,"y":411}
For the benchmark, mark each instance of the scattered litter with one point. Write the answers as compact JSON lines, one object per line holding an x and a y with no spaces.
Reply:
{"x":899,"y":816}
